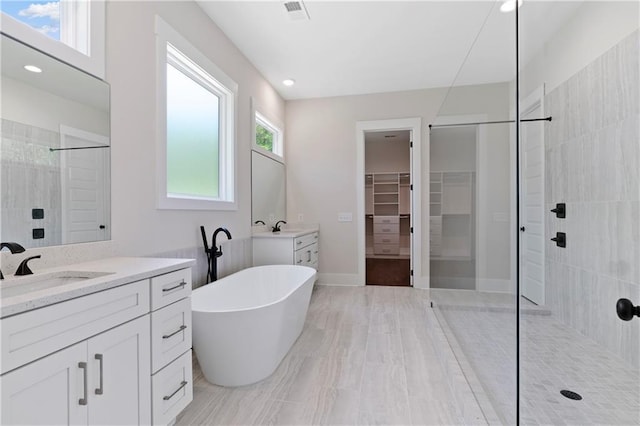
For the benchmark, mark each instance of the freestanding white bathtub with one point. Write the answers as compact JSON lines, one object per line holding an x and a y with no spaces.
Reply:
{"x":244,"y":324}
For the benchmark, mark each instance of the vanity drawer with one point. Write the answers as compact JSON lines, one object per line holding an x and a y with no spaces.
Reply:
{"x":169,"y":288}
{"x":386,"y":249}
{"x":386,"y":239}
{"x":386,"y":219}
{"x":307,"y":255}
{"x":386,"y":228}
{"x":34,"y":334}
{"x":305,"y":240}
{"x":171,"y":390}
{"x":170,"y":333}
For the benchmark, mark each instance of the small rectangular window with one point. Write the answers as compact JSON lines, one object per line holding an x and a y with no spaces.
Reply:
{"x":196,"y":128}
{"x":70,"y":30}
{"x":268,"y":136}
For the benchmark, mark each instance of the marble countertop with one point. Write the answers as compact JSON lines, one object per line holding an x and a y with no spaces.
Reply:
{"x":285,"y":233}
{"x":116,"y":271}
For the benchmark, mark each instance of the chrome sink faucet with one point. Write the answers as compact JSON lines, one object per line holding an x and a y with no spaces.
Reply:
{"x":13,"y":248}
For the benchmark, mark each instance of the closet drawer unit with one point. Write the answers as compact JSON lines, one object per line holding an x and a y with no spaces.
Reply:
{"x":386,"y":239}
{"x":307,"y":255}
{"x":393,"y":249}
{"x":435,"y":250}
{"x":305,"y":240}
{"x":34,"y":334}
{"x":170,"y":333}
{"x":386,"y":219}
{"x":386,"y":228}
{"x":169,"y":288}
{"x":171,"y":390}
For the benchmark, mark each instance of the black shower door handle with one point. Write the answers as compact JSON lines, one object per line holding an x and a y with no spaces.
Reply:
{"x":626,"y":311}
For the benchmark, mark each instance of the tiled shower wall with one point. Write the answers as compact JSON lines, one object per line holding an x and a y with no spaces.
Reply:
{"x":30,"y":179}
{"x":592,"y":160}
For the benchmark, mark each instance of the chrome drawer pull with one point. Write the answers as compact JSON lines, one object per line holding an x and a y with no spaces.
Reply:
{"x":182,"y":327}
{"x":100,"y":389}
{"x":299,"y":242}
{"x":182,"y":284}
{"x":299,"y":261}
{"x":83,"y":401}
{"x":183,"y":384}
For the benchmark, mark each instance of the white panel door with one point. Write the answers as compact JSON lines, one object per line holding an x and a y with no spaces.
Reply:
{"x":47,"y":391}
{"x":84,"y":189}
{"x":532,"y":207}
{"x":120,"y":374}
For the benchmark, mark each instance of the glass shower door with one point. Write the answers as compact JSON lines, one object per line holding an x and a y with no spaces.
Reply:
{"x":579,"y":362}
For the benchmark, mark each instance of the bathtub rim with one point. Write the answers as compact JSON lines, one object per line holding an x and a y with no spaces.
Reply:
{"x":194,"y":292}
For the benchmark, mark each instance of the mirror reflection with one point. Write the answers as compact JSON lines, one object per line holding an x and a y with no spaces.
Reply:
{"x":267,"y":189}
{"x":54,"y":152}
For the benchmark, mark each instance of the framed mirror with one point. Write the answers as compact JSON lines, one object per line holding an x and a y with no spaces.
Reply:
{"x":54,"y":152}
{"x":267,"y":189}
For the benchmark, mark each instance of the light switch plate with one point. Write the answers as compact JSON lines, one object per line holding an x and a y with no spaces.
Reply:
{"x":345,"y":217}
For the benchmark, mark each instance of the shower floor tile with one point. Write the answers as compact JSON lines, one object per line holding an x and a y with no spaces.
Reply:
{"x":366,"y":356}
{"x":553,"y":357}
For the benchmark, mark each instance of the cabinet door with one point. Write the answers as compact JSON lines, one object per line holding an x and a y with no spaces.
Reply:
{"x":47,"y":391}
{"x":120,"y":370}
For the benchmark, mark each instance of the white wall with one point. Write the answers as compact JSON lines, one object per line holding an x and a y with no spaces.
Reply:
{"x":138,"y":227}
{"x":386,"y":156}
{"x":29,"y":105}
{"x":321,"y":158}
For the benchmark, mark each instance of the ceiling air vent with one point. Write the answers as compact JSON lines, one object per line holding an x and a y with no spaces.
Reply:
{"x":296,"y":10}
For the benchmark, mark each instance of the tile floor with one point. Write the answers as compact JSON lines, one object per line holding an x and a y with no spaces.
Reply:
{"x":553,"y":357}
{"x":367,"y":355}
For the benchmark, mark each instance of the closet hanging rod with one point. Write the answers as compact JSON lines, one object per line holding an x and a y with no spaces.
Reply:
{"x":80,"y":147}
{"x":431,"y":126}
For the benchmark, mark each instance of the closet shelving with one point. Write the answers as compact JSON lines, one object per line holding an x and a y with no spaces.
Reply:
{"x":388,"y":214}
{"x":450,"y":215}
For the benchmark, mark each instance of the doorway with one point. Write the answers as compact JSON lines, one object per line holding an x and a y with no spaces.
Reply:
{"x":389,"y":231}
{"x":388,"y":207}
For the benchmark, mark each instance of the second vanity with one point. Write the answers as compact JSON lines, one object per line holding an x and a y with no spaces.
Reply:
{"x":110,"y":345}
{"x":287,"y":247}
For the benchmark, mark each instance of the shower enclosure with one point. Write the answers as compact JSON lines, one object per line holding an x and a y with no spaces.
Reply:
{"x":534,"y":213}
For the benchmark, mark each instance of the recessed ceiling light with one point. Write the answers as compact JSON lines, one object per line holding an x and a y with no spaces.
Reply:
{"x":509,"y":6}
{"x":32,"y":68}
{"x":288,"y":82}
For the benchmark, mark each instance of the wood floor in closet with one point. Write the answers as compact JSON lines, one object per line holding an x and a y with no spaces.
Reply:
{"x":394,"y":272}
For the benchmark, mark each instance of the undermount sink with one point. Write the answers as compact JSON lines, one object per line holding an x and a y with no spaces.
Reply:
{"x":19,"y":286}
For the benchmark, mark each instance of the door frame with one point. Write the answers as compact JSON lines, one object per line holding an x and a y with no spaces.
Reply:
{"x":415,"y":126}
{"x":533,"y":100}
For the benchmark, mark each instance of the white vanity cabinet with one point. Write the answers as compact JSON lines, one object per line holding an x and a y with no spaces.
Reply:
{"x":94,"y":359}
{"x":299,"y":248}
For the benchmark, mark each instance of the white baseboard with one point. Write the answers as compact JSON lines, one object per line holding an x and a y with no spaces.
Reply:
{"x":494,"y":284}
{"x":339,"y":279}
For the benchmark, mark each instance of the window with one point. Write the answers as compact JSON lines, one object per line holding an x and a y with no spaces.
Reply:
{"x":196,"y":119}
{"x":71,"y":30}
{"x":268,"y":136}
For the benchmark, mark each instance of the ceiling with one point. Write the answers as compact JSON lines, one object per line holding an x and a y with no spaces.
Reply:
{"x":57,"y":77}
{"x":357,"y":47}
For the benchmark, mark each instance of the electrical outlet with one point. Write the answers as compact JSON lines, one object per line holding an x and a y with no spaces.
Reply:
{"x":300,"y":217}
{"x":345,"y":217}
